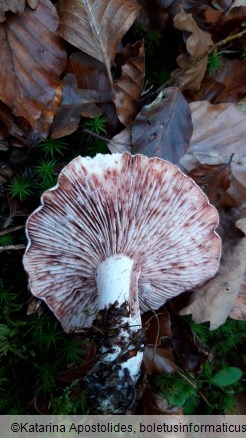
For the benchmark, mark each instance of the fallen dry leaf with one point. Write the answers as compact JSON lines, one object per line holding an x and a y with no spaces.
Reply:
{"x":128,"y":87}
{"x":159,"y":360}
{"x":156,"y":326}
{"x":163,"y":128}
{"x":153,"y":14}
{"x":209,"y":90}
{"x":214,"y":301}
{"x":8,"y":120}
{"x":75,"y":103}
{"x":213,"y":180}
{"x":232,"y":75}
{"x":125,"y":92}
{"x":30,"y":67}
{"x":91,"y":74}
{"x":15,"y":6}
{"x":96,"y":26}
{"x":197,"y":43}
{"x":121,"y":142}
{"x":218,"y":132}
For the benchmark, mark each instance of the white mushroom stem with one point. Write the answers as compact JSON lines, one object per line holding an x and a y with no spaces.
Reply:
{"x":117,"y":281}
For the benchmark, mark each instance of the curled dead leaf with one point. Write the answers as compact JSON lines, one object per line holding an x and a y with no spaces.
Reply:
{"x":15,"y":6}
{"x":121,"y":142}
{"x":30,"y":67}
{"x":218,"y":132}
{"x":214,"y":301}
{"x":159,"y":360}
{"x":75,"y":103}
{"x":96,"y":26}
{"x":163,"y":128}
{"x":213,"y":180}
{"x":129,"y":86}
{"x":197,"y":43}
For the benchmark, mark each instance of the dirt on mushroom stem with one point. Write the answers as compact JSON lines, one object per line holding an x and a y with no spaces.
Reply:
{"x":109,"y":386}
{"x":117,"y":330}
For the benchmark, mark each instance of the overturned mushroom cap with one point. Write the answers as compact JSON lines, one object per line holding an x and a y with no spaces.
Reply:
{"x":145,"y":208}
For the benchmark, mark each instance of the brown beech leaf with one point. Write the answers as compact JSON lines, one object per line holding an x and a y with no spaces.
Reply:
{"x":121,"y":142}
{"x":8,"y":120}
{"x":210,"y":89}
{"x":214,"y":301}
{"x":154,"y":14}
{"x":91,"y":74}
{"x":163,"y":128}
{"x":75,"y":103}
{"x":218,"y":132}
{"x":197,"y":43}
{"x":213,"y":180}
{"x":232,"y":74}
{"x":129,"y":86}
{"x":96,"y":26}
{"x":159,"y":360}
{"x":156,"y":326}
{"x":15,"y":6}
{"x":32,"y":58}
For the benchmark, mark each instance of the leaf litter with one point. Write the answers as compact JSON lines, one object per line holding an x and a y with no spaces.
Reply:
{"x":86,"y":59}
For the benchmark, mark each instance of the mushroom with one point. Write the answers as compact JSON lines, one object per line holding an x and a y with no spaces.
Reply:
{"x":119,"y":229}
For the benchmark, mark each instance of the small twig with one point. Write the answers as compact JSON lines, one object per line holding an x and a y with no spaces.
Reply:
{"x":99,"y":137}
{"x":207,"y":53}
{"x":11,"y":230}
{"x":11,"y":247}
{"x":193,"y":62}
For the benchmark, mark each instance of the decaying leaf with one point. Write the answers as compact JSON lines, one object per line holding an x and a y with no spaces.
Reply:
{"x":125,"y":92}
{"x":90,"y":74}
{"x":15,"y":6}
{"x":159,"y":360}
{"x":75,"y":103}
{"x":129,"y":86}
{"x":96,"y":26}
{"x":121,"y":142}
{"x":32,"y":58}
{"x":8,"y":120}
{"x":232,"y":75}
{"x":197,"y":43}
{"x":213,"y":180}
{"x":163,"y":128}
{"x":156,"y":326}
{"x":214,"y":301}
{"x":218,"y":132}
